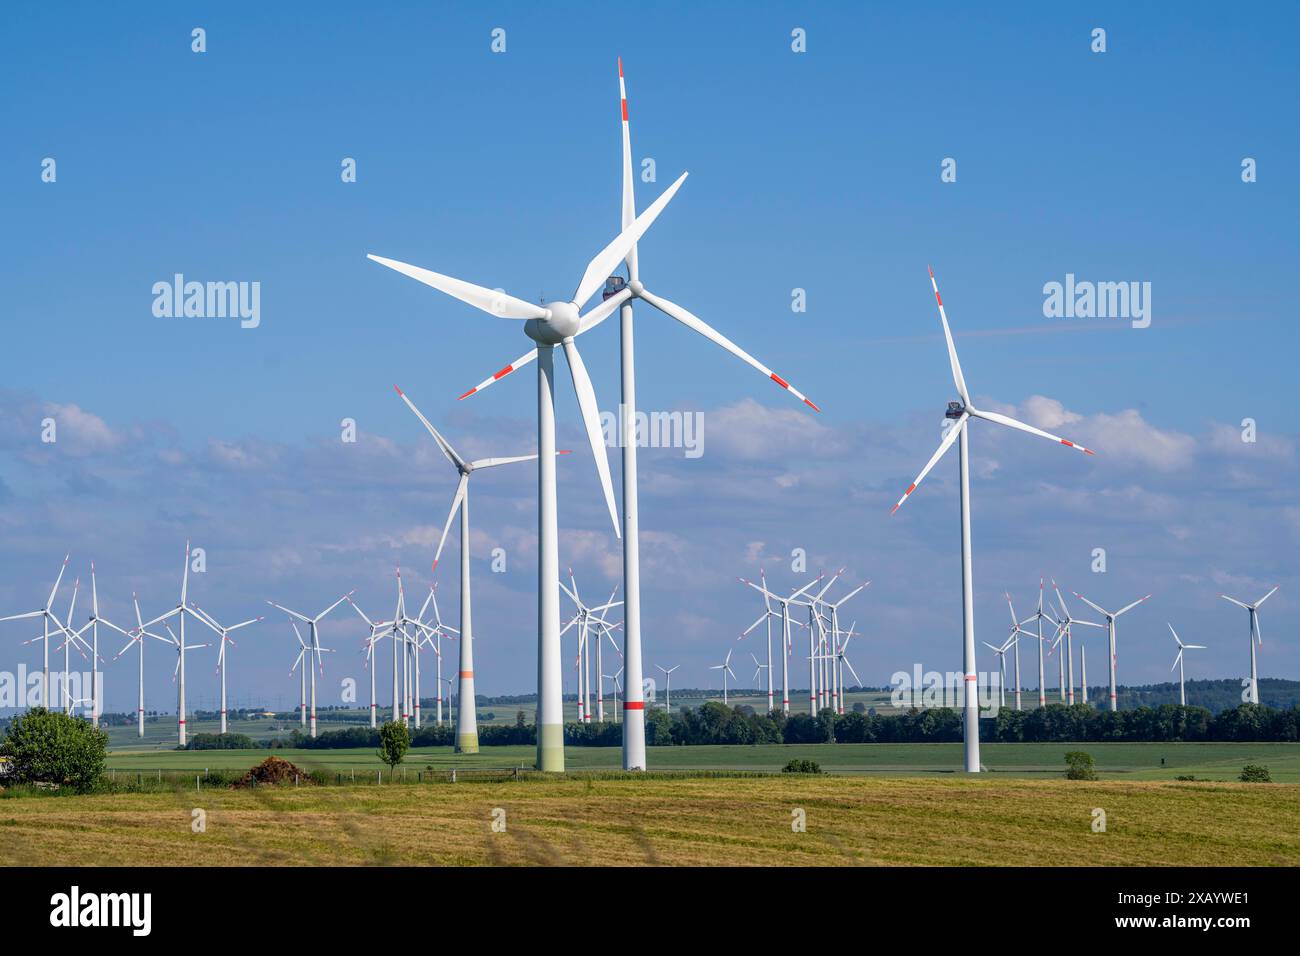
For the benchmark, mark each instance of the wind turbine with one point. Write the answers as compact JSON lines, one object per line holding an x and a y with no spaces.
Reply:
{"x":466,"y":720}
{"x":620,"y":294}
{"x":843,"y":662}
{"x":1066,"y":626}
{"x":1110,"y":631}
{"x":1001,"y":654}
{"x":784,"y":603}
{"x":179,"y":612}
{"x":668,"y":686}
{"x":725,"y":667}
{"x":960,"y":413}
{"x":1016,"y":631}
{"x":1178,"y":661}
{"x":93,"y":626}
{"x":136,"y":636}
{"x":371,"y":641}
{"x":302,"y":674}
{"x":1255,"y":635}
{"x":758,"y":667}
{"x":834,"y":607}
{"x":46,"y":615}
{"x":586,"y":619}
{"x":557,"y":324}
{"x":181,"y":648}
{"x":1038,"y":617}
{"x":313,"y":649}
{"x":223,"y":634}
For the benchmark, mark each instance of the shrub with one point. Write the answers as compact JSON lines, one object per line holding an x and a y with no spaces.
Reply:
{"x":1185,"y":776}
{"x":45,"y":747}
{"x":802,"y":766}
{"x":1080,"y":766}
{"x":220,"y":742}
{"x":1255,"y":773}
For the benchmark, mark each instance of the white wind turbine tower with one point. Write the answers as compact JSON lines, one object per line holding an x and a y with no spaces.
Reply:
{"x":1110,"y":632}
{"x":784,"y":603}
{"x":668,"y":686}
{"x":46,"y":614}
{"x":313,"y":649}
{"x":961,"y":413}
{"x":466,"y":720}
{"x":557,"y":324}
{"x":223,"y":635}
{"x":136,"y":636}
{"x":725,"y":667}
{"x":1255,"y":635}
{"x":620,"y":295}
{"x":1178,"y":661}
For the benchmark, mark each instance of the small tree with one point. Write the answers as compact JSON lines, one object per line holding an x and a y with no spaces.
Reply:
{"x":1255,"y":773}
{"x":394,"y":742}
{"x":1080,"y":766}
{"x":45,"y":747}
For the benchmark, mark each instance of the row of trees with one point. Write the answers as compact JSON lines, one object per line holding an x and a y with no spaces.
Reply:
{"x":715,"y":723}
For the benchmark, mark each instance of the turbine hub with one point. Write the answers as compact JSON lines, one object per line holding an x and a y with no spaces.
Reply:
{"x":636,"y":286}
{"x":562,"y":323}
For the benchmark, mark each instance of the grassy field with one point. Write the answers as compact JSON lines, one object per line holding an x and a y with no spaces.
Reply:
{"x":659,"y":820}
{"x":1210,"y":761}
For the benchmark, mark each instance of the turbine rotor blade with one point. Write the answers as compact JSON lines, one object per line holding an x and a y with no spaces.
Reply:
{"x":607,"y":260}
{"x":944,"y":445}
{"x":957,"y":378}
{"x":674,"y":311}
{"x":1013,"y":423}
{"x":512,"y":367}
{"x":489,"y":300}
{"x":455,"y":506}
{"x":591,"y":419}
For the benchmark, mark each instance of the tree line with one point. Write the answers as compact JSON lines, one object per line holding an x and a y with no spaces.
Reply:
{"x":715,"y":723}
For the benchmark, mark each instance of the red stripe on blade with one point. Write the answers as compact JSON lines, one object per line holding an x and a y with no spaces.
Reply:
{"x":505,"y":371}
{"x":625,"y":111}
{"x":780,"y":381}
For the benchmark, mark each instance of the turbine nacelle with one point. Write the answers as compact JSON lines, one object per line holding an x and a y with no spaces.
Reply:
{"x":561,"y":323}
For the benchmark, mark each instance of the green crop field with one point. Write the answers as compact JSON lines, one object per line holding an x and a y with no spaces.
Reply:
{"x":1133,"y":761}
{"x":661,"y":820}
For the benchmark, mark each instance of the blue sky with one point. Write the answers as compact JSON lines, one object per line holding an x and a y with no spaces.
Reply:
{"x":817,"y":171}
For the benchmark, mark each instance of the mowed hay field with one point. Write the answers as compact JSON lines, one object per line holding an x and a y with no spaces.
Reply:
{"x":670,"y":821}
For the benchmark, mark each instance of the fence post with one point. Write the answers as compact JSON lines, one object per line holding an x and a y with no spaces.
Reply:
{"x":453,"y":774}
{"x":196,"y":782}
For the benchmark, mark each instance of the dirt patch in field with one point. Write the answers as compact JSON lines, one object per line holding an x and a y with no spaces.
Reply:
{"x":273,"y":771}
